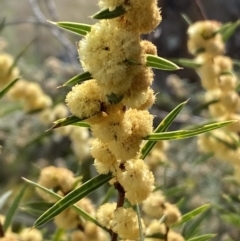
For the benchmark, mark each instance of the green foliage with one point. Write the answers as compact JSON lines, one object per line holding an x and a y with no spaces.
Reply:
{"x":71,"y":120}
{"x":182,"y":134}
{"x":78,"y":79}
{"x":14,"y":207}
{"x":162,"y":127}
{"x":157,"y":62}
{"x":71,"y":198}
{"x":106,"y":14}
{"x":7,"y":88}
{"x":77,"y":28}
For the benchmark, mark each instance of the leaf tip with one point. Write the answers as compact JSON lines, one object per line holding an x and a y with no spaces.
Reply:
{"x":54,"y":23}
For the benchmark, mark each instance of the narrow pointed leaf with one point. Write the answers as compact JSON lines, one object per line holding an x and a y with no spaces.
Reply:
{"x":4,"y":198}
{"x":230,"y":30}
{"x":73,"y":197}
{"x":36,"y":208}
{"x":191,"y":229}
{"x":36,"y":140}
{"x":14,"y":207}
{"x":186,"y":18}
{"x":107,"y":14}
{"x":17,"y":58}
{"x":78,"y":79}
{"x":77,"y":28}
{"x":231,"y":218}
{"x":163,"y":126}
{"x":204,"y":106}
{"x":204,"y":237}
{"x":157,"y":62}
{"x":58,"y":235}
{"x":236,"y":62}
{"x":8,"y":87}
{"x":81,"y":124}
{"x":182,"y":134}
{"x":81,"y":212}
{"x":188,"y":63}
{"x":141,"y":234}
{"x":223,"y":28}
{"x":2,"y":24}
{"x":65,"y":122}
{"x":192,"y":214}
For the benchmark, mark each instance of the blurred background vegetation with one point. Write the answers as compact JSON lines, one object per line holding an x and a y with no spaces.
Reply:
{"x":52,"y":59}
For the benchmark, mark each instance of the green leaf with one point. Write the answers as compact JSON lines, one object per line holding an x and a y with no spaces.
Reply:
{"x":12,"y":210}
{"x":223,"y":28}
{"x":204,"y":237}
{"x":8,"y":87}
{"x":81,"y":124}
{"x":58,"y":235}
{"x":36,"y":140}
{"x":78,"y":79}
{"x":192,"y":214}
{"x":182,"y":134}
{"x":157,"y":62}
{"x":17,"y":58}
{"x":188,"y":63}
{"x":190,"y":229}
{"x":77,"y":28}
{"x":73,"y":197}
{"x":108,"y":195}
{"x":141,"y":233}
{"x":2,"y":24}
{"x":107,"y":14}
{"x":36,"y":208}
{"x":186,"y":18}
{"x":81,"y":212}
{"x":236,"y":62}
{"x":232,"y":218}
{"x":4,"y":198}
{"x":163,"y":126}
{"x":230,"y":30}
{"x":66,"y":121}
{"x":204,"y":106}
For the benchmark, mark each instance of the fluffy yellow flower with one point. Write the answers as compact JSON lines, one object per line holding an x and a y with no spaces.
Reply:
{"x":86,"y":100}
{"x":136,"y":125}
{"x":153,"y":205}
{"x":140,"y":16}
{"x":28,"y":234}
{"x":137,"y":180}
{"x":203,"y":37}
{"x":6,"y":76}
{"x":104,"y":159}
{"x":55,"y":177}
{"x":105,"y":214}
{"x":125,"y":223}
{"x":105,"y":52}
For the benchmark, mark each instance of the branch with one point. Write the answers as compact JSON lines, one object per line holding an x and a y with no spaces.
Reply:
{"x":69,"y":47}
{"x":52,"y":9}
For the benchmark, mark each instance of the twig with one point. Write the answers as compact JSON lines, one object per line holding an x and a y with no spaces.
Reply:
{"x":69,"y":47}
{"x":167,"y":231}
{"x":52,"y":9}
{"x":201,"y":9}
{"x":120,"y":202}
{"x":1,"y":230}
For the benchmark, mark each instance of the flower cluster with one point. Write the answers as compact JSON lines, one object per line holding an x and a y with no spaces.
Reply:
{"x":80,"y":139}
{"x":116,"y":100}
{"x":30,"y":94}
{"x":8,"y":72}
{"x":63,"y":181}
{"x":217,"y":78}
